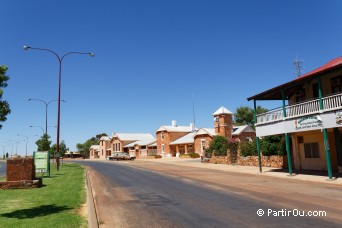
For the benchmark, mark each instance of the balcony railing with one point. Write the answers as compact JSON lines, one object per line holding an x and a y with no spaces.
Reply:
{"x":306,"y":108}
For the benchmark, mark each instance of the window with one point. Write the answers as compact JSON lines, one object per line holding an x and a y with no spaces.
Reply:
{"x":311,"y":150}
{"x":190,"y":150}
{"x":162,"y":135}
{"x":202,"y":145}
{"x":336,"y":84}
{"x":102,"y":151}
{"x":163,"y":148}
{"x":181,"y":149}
{"x":300,"y":95}
{"x":143,"y":147}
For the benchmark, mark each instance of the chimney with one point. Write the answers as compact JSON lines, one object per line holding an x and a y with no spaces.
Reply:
{"x":174,"y":123}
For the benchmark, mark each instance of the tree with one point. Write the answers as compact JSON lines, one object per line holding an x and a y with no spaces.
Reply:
{"x":43,"y":143}
{"x":83,"y":148}
{"x":4,"y":106}
{"x":245,"y":115}
{"x":7,"y":155}
{"x":273,"y":145}
{"x":62,"y":148}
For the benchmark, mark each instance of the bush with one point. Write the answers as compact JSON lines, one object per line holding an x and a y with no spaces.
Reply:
{"x":273,"y":145}
{"x":219,"y":145}
{"x":194,"y":155}
{"x":157,"y":156}
{"x":248,"y":149}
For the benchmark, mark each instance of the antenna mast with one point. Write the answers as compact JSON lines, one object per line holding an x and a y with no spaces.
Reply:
{"x":193,"y":110}
{"x":298,"y":67}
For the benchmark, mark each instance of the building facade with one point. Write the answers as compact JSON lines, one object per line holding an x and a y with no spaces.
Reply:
{"x":135,"y":144}
{"x":310,"y":118}
{"x":168,"y":134}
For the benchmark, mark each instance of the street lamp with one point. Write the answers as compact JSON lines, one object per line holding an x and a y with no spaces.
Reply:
{"x":46,"y":110}
{"x":39,"y":127}
{"x":11,"y":142}
{"x":60,"y":60}
{"x":26,"y":141}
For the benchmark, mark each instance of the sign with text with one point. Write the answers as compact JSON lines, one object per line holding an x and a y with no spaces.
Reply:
{"x":320,"y":121}
{"x":41,"y":161}
{"x":308,"y":123}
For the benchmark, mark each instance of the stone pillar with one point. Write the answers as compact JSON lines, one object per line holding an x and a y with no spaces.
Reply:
{"x":20,"y":169}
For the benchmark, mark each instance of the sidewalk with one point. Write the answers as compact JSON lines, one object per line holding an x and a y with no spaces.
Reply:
{"x":313,"y":176}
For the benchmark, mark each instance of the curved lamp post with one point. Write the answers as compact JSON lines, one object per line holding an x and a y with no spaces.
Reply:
{"x":39,"y":127}
{"x":26,"y":136}
{"x":60,"y":60}
{"x":46,"y":110}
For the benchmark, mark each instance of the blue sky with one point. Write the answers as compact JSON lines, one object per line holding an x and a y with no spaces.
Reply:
{"x":151,"y":56}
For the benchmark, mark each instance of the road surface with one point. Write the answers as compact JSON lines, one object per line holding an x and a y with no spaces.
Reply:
{"x":2,"y":168}
{"x":147,"y":194}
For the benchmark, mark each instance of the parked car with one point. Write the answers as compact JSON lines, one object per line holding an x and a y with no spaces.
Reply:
{"x":122,"y":156}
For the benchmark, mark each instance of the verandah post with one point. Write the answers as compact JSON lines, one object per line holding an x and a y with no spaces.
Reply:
{"x":287,"y":140}
{"x":257,"y":138}
{"x":325,"y":132}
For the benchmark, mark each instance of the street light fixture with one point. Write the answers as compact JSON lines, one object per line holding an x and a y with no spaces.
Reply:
{"x":26,"y":136}
{"x":46,"y":110}
{"x":39,"y":127}
{"x":60,"y":60}
{"x":11,"y":142}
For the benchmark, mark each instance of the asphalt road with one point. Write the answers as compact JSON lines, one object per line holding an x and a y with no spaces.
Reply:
{"x":146,"y":194}
{"x":2,"y":168}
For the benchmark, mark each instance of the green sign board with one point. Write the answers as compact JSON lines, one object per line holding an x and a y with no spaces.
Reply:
{"x":41,"y":161}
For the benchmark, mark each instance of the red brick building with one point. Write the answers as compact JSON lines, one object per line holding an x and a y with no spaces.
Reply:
{"x":173,"y":140}
{"x":168,"y":134}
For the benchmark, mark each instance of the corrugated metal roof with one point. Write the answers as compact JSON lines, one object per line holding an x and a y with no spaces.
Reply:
{"x":222,"y":110}
{"x":133,"y":137}
{"x":189,"y":138}
{"x":95,"y":147}
{"x":153,"y":144}
{"x":175,"y":128}
{"x":105,"y":138}
{"x":275,"y":92}
{"x":237,"y":130}
{"x":205,"y":131}
{"x":141,"y":143}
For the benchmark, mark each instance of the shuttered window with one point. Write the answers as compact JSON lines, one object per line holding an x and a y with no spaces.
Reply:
{"x":311,"y":150}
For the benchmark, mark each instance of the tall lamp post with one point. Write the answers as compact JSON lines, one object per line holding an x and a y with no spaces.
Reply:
{"x":39,"y":127}
{"x":60,"y":60}
{"x":26,"y":136}
{"x":11,"y":142}
{"x":46,"y":110}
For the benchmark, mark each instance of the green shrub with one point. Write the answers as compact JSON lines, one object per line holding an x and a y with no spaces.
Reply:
{"x":194,"y":155}
{"x":273,"y":145}
{"x":248,"y":149}
{"x":219,"y":145}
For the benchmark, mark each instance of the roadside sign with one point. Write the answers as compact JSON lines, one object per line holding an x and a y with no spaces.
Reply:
{"x":42,"y":162}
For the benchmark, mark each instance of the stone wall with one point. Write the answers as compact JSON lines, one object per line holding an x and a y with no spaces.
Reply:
{"x":20,"y":169}
{"x":37,"y":183}
{"x":266,"y":161}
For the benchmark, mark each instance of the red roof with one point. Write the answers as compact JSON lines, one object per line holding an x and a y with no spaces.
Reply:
{"x":275,"y":92}
{"x":328,"y":66}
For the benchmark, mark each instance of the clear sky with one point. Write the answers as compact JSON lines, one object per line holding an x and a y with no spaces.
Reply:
{"x":151,"y":56}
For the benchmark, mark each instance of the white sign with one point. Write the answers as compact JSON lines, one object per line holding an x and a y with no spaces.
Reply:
{"x":305,"y":123}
